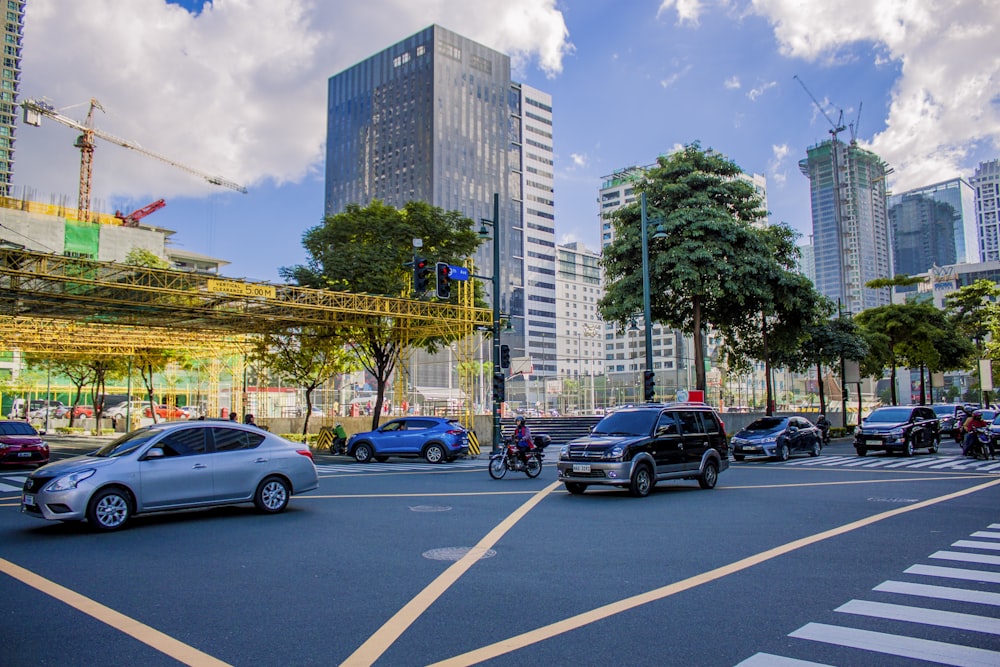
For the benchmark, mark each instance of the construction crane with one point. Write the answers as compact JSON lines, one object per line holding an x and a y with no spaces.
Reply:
{"x":132,"y":219}
{"x":35,"y":110}
{"x":835,"y":128}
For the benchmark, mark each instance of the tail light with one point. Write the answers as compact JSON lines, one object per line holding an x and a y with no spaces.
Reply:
{"x":455,"y":432}
{"x":305,"y":452}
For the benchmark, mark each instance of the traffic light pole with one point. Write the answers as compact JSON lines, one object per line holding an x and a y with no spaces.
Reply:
{"x":497,"y":435}
{"x":646,"y":314}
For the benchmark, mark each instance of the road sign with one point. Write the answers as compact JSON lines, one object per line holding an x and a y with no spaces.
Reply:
{"x":458,"y":272}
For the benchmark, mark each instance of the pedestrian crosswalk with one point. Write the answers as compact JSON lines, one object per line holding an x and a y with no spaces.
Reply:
{"x":946,"y":613}
{"x":926,"y":462}
{"x":400,"y":465}
{"x":11,"y":484}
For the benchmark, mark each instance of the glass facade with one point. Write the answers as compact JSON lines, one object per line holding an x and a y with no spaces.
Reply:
{"x":933,"y":226}
{"x":850,"y":233}
{"x":986,"y":183}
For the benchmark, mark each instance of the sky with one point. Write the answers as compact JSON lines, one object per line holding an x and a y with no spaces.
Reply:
{"x":237,"y":88}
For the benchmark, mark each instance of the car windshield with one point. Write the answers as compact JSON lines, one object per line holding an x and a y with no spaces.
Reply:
{"x":128,"y":443}
{"x":767,"y":424}
{"x":890,"y":415}
{"x":17,"y":428}
{"x":943,"y":410}
{"x":627,"y":422}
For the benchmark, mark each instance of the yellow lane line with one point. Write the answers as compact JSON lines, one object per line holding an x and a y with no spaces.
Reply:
{"x":165,"y":644}
{"x":575,"y":622}
{"x":378,"y":643}
{"x":423,"y":495}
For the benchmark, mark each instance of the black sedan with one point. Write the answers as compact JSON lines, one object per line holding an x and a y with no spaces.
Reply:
{"x":778,"y":438}
{"x":900,"y":428}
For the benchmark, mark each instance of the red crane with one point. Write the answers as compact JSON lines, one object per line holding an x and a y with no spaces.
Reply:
{"x":132,"y":219}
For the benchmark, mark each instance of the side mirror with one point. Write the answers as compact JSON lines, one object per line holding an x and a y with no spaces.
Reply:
{"x":154,"y":453}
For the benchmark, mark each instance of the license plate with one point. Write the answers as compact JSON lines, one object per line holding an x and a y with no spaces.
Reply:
{"x":28,"y":500}
{"x":581,"y":467}
{"x":24,"y":454}
{"x":873,"y":442}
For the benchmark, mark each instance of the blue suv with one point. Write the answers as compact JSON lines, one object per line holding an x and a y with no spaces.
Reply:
{"x":437,"y":439}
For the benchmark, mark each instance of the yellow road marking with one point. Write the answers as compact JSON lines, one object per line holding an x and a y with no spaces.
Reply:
{"x":575,"y":622}
{"x":378,"y":643}
{"x":165,"y":644}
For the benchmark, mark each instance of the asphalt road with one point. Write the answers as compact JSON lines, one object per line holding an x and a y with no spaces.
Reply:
{"x":834,"y":560}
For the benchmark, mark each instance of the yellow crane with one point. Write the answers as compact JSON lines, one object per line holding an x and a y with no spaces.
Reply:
{"x":35,"y":110}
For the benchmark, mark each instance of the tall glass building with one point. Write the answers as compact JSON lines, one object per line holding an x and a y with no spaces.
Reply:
{"x":437,"y":118}
{"x":10,"y":82}
{"x":986,"y":182}
{"x":933,"y":226}
{"x":850,"y":231}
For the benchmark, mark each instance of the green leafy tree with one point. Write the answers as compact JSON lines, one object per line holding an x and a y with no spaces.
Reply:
{"x":366,"y":249}
{"x":104,"y":368}
{"x":827,"y":342}
{"x":710,"y":259}
{"x":146,"y":258}
{"x":149,"y":362}
{"x":79,"y":374}
{"x":305,"y":358}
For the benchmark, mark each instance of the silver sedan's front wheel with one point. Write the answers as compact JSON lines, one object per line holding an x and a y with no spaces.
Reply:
{"x":109,"y":509}
{"x":272,"y":495}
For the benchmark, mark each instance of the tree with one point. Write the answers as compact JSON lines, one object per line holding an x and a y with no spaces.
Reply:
{"x":151,"y":361}
{"x":79,"y":374}
{"x":145,"y":258}
{"x":827,"y":342}
{"x":710,"y":258}
{"x":104,"y":368}
{"x":306,"y":358}
{"x":366,"y":250}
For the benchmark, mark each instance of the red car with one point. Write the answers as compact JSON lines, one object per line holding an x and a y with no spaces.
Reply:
{"x":168,"y":412}
{"x":20,"y":444}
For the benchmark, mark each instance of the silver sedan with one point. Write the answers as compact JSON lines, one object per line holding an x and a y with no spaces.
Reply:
{"x":175,"y":465}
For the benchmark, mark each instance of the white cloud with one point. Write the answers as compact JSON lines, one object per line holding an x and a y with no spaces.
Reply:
{"x":238,"y":90}
{"x":944,"y":103}
{"x":732,"y":83}
{"x":775,"y":167}
{"x":757,"y":91}
{"x":675,"y":77}
{"x":688,"y":11}
{"x":578,"y":160}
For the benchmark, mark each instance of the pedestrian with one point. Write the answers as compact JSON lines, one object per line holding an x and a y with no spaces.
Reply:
{"x":232,"y":417}
{"x":248,"y":419}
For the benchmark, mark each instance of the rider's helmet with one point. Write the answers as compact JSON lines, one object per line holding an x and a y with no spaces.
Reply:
{"x":822,"y":416}
{"x":519,"y":420}
{"x":977,"y":414}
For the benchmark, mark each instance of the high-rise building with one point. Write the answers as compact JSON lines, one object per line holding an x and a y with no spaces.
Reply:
{"x":850,"y":231}
{"x":986,"y":182}
{"x":10,"y":83}
{"x":933,"y":226}
{"x":437,"y":118}
{"x":581,"y":332}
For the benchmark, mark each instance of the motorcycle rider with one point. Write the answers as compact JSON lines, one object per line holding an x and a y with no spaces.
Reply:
{"x":969,"y":427}
{"x":339,"y":438}
{"x":522,"y":437}
{"x":824,"y":426}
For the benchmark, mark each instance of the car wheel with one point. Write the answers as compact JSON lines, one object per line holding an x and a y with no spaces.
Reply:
{"x":272,"y":495}
{"x":861,"y":451}
{"x":935,"y":443}
{"x":710,"y":476}
{"x":782,"y":453}
{"x":381,"y":459}
{"x":738,"y":457}
{"x":908,"y":448}
{"x":817,"y":447}
{"x":434,"y":453}
{"x":109,"y":509}
{"x":363,"y":453}
{"x":642,"y":481}
{"x":576,"y":488}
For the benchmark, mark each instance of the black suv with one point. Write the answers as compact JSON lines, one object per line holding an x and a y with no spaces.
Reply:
{"x":901,"y":428}
{"x":637,"y":446}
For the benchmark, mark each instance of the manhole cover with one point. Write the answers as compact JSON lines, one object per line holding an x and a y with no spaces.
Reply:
{"x":454,"y":553}
{"x":429,"y":508}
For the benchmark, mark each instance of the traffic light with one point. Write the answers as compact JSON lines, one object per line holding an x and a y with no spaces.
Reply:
{"x":421,"y":275}
{"x":498,"y":387}
{"x":649,"y":385}
{"x":443,"y":280}
{"x":505,"y":356}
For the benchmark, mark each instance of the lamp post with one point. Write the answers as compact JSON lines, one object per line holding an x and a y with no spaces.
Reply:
{"x":484,"y":234}
{"x":646,"y":316}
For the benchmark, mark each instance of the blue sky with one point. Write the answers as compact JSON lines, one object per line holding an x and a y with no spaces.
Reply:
{"x":238,"y":88}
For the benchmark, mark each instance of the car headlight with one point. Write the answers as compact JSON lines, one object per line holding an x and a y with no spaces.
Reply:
{"x":769,"y":439}
{"x":564,"y":452}
{"x":70,"y":481}
{"x":614,"y":453}
{"x":896,"y":432}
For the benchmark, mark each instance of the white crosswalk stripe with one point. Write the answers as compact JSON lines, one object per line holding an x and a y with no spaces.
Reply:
{"x":12,"y":483}
{"x":945,"y":463}
{"x":920,"y":608}
{"x":400,"y":466}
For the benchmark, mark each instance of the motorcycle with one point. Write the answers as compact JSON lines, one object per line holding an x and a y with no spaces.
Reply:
{"x":981,"y":446}
{"x":825,"y":430}
{"x":339,"y":446}
{"x":511,"y":457}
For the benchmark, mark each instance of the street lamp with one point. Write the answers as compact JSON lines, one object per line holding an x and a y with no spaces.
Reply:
{"x":658,"y":234}
{"x":485,"y":234}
